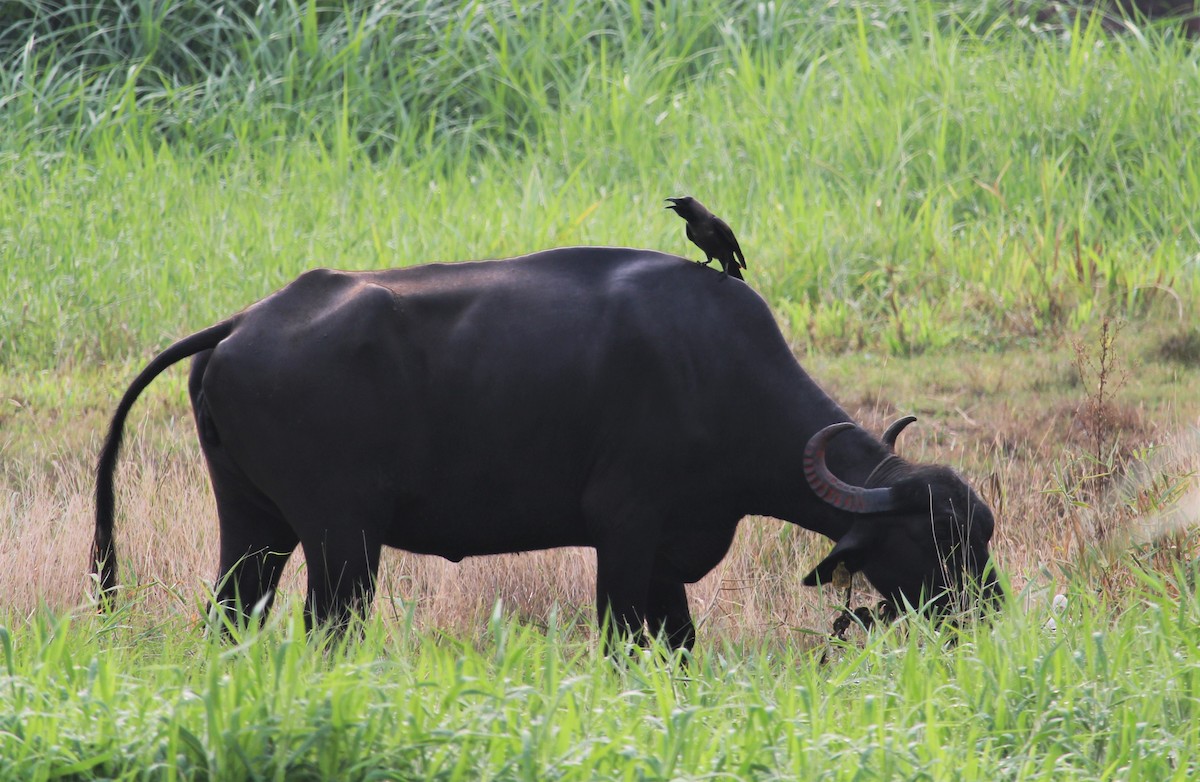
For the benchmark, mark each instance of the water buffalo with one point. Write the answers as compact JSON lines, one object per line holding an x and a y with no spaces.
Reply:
{"x":621,"y":399}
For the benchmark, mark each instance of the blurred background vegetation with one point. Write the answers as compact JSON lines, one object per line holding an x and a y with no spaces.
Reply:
{"x":903,"y":175}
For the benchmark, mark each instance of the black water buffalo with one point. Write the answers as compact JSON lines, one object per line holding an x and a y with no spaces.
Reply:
{"x":564,"y":398}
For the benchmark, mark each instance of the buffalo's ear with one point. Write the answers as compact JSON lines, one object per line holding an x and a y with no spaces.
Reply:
{"x":849,"y":551}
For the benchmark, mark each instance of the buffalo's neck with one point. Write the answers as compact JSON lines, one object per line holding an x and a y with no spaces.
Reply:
{"x":781,"y":490}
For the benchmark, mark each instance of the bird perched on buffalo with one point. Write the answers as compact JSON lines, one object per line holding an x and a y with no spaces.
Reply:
{"x":711,"y":234}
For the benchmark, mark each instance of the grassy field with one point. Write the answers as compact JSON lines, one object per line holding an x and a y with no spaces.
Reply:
{"x":979,"y":213}
{"x":1096,"y":698}
{"x":904,"y":175}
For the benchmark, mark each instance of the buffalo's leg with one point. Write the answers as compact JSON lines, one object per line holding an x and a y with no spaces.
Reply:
{"x":622,"y":585}
{"x":621,"y":528}
{"x":668,"y":617}
{"x":256,"y":542}
{"x":342,"y":567}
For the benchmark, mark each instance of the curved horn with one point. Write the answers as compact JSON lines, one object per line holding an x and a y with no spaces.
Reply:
{"x":893,"y":431}
{"x":833,"y":489}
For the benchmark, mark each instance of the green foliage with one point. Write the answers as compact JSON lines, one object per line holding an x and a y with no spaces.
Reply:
{"x":903,"y":174}
{"x":84,"y":697}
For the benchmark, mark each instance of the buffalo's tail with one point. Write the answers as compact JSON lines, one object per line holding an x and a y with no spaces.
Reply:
{"x":104,"y":555}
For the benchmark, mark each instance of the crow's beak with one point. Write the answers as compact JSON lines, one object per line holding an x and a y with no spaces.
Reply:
{"x":674,"y":203}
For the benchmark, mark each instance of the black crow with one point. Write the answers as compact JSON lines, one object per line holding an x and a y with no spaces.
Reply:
{"x":711,"y":234}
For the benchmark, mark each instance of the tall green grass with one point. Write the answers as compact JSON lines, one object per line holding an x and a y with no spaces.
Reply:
{"x":388,"y":74}
{"x":903,"y":174}
{"x":1096,"y":698}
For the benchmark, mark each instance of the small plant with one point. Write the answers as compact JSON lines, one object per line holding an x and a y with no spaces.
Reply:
{"x":1080,"y":481}
{"x":1100,"y":372}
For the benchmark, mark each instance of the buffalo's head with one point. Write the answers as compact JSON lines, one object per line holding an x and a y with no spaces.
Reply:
{"x":922,"y":533}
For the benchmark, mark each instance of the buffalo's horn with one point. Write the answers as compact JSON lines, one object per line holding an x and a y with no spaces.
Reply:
{"x":833,"y":489}
{"x":893,"y":431}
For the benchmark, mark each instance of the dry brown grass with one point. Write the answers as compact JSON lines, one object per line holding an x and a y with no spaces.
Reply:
{"x":1011,"y":423}
{"x":167,"y":543}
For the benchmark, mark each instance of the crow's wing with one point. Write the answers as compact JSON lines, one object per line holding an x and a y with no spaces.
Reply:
{"x":692,"y":235}
{"x":726,"y":233}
